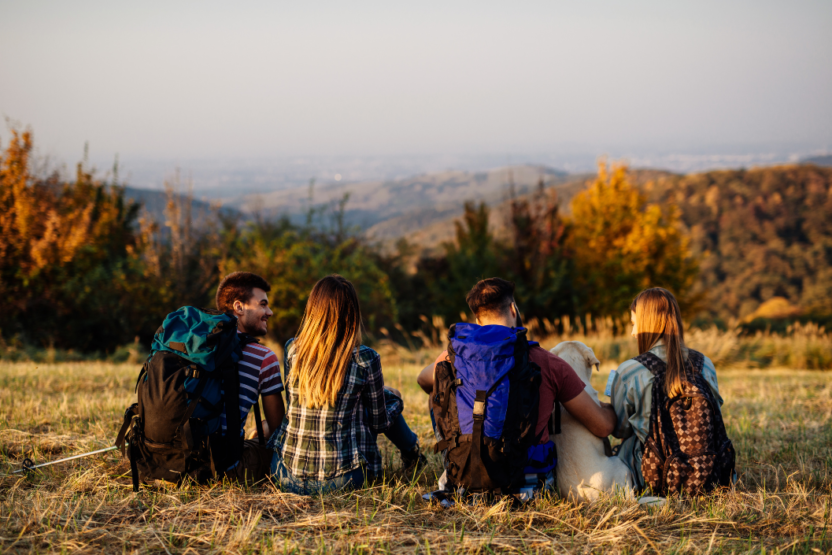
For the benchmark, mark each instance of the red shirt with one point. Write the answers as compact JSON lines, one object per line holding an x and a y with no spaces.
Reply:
{"x":559,"y":383}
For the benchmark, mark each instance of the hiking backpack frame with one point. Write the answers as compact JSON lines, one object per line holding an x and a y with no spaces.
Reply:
{"x":487,"y":416}
{"x":687,"y":448}
{"x":189,"y":380}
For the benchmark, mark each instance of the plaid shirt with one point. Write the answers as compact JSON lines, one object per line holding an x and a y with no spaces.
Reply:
{"x":320,"y":444}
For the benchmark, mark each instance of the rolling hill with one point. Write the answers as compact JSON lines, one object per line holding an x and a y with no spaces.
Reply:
{"x":393,"y":208}
{"x":155,"y":201}
{"x":428,"y":230}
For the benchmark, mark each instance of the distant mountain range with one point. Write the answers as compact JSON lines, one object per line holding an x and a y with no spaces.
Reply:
{"x":154,"y":203}
{"x":825,"y":160}
{"x":421,"y":208}
{"x":392,"y":208}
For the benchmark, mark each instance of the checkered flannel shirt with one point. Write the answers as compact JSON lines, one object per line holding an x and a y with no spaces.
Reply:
{"x":320,"y":444}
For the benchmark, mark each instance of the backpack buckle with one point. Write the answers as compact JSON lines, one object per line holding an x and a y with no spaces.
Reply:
{"x":479,"y":404}
{"x":479,"y":409}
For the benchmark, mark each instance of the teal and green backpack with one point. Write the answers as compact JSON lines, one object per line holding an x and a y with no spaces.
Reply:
{"x":189,"y":381}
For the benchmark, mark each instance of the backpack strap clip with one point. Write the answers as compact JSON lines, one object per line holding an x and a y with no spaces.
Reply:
{"x":450,"y":443}
{"x":479,"y":406}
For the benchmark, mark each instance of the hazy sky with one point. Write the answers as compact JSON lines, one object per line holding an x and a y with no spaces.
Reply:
{"x":258,"y":79}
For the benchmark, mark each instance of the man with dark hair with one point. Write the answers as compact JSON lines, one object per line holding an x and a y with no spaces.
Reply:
{"x":492,"y":303}
{"x":244,"y":295}
{"x":490,"y":297}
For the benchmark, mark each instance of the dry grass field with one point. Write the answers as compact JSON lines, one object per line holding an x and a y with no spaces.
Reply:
{"x":780,"y":421}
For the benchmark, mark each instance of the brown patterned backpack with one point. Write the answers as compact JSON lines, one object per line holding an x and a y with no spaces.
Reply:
{"x":687,"y":449}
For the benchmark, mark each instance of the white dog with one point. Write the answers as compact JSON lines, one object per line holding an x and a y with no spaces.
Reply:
{"x":584,"y":470}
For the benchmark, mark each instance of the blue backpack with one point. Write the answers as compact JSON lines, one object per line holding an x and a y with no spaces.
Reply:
{"x":189,"y":381}
{"x":485,"y":402}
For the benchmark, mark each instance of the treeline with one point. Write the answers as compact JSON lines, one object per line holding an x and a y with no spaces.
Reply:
{"x":760,"y":234}
{"x":82,"y":268}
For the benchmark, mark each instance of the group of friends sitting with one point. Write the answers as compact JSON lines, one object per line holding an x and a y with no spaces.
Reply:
{"x":325,"y":437}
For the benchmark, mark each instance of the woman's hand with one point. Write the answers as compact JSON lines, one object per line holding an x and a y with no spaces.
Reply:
{"x":394,"y":391}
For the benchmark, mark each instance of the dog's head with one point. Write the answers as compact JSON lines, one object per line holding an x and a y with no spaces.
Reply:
{"x":580,"y":357}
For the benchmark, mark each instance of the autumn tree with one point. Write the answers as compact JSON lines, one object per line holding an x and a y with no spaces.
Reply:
{"x":621,"y":244}
{"x":535,"y":256}
{"x":181,"y":254}
{"x":66,"y":253}
{"x":474,"y":254}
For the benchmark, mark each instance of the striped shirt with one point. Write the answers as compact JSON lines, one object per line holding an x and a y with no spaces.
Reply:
{"x":259,"y":372}
{"x":630,"y":388}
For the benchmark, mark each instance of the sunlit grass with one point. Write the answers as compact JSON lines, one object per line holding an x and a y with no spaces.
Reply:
{"x":779,"y":420}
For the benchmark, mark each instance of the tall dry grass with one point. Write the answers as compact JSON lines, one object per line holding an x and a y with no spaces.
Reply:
{"x":780,"y":422}
{"x":803,"y":346}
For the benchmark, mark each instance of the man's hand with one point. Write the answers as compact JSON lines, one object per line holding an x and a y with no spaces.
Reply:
{"x":598,"y":420}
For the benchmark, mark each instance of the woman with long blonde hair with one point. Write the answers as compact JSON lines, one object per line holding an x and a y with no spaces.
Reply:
{"x":658,"y":329}
{"x":337,"y":402}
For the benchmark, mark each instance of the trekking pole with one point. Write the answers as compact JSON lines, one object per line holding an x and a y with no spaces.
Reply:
{"x":28,"y":464}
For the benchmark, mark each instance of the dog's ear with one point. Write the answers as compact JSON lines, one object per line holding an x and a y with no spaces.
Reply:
{"x":591,"y":359}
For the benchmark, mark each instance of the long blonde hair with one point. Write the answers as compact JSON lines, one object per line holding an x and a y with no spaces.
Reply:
{"x":323,"y":350}
{"x":658,"y":318}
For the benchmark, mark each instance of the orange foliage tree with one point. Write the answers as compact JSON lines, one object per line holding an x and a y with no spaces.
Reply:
{"x":65,"y":247}
{"x":620,"y":245}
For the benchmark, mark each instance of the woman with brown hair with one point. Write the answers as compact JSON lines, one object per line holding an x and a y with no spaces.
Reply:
{"x":337,"y":402}
{"x":657,"y":326}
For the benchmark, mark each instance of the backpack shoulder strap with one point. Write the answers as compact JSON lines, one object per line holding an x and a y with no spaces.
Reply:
{"x":554,"y":425}
{"x":696,"y":360}
{"x":653,"y":363}
{"x":245,"y":339}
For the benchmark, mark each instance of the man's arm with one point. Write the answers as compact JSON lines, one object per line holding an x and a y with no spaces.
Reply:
{"x":274,"y":411}
{"x":598,"y":420}
{"x":270,"y":387}
{"x":425,"y":378}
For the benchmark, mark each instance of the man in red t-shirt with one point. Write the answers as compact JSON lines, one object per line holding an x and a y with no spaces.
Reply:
{"x":492,"y":302}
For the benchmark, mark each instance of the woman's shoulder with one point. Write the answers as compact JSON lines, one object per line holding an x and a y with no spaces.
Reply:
{"x":631,"y":368}
{"x":709,"y":370}
{"x":707,"y":364}
{"x":365,"y":356}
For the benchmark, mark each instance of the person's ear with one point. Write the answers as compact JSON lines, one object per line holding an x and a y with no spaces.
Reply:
{"x":238,"y":307}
